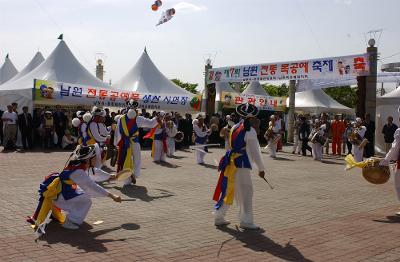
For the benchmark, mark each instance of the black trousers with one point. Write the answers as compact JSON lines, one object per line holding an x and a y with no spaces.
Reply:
{"x":305,"y":147}
{"x":369,"y":148}
{"x":26,"y":136}
{"x":349,"y":146}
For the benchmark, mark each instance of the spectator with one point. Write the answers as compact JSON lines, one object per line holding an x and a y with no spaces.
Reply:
{"x":328,"y":134}
{"x":25,"y":124}
{"x":337,"y":129}
{"x":48,"y":126}
{"x":58,"y":123}
{"x":188,"y":130}
{"x":10,"y":128}
{"x":68,"y":141}
{"x":388,"y":133}
{"x":346,"y":134}
{"x":296,"y":144}
{"x":37,"y":127}
{"x":109,"y":120}
{"x":304,"y":133}
{"x":370,"y":135}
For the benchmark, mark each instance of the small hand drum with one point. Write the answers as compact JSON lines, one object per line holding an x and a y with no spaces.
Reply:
{"x":374,"y":173}
{"x":124,"y":174}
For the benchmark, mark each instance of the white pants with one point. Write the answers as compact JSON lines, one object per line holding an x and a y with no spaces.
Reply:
{"x":297,"y":144}
{"x":171,"y":146}
{"x":397,"y":183}
{"x":159,"y":154}
{"x":77,"y":207}
{"x":358,"y":153}
{"x":137,"y":160}
{"x":243,"y":197}
{"x":272,"y":147}
{"x":200,"y":155}
{"x":99,"y":174}
{"x":316,"y":151}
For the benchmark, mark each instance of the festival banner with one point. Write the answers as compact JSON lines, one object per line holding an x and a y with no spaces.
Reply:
{"x":321,"y":68}
{"x":50,"y":92}
{"x":271,"y":103}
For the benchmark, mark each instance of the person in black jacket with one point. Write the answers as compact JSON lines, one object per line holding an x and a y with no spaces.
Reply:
{"x":388,"y":133}
{"x":304,"y":133}
{"x":370,"y":135}
{"x":25,"y":125}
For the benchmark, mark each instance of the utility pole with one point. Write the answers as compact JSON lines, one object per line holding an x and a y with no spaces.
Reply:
{"x":292,"y":98}
{"x":204,"y":100}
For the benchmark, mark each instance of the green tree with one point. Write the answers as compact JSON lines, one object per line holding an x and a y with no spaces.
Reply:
{"x":345,"y":95}
{"x":187,"y":86}
{"x":276,"y":90}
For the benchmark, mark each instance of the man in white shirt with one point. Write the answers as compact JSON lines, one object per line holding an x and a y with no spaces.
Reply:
{"x":10,"y":127}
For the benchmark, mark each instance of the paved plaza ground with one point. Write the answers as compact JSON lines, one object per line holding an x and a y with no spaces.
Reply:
{"x":316,"y":212}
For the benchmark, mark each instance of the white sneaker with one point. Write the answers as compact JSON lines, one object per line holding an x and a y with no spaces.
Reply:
{"x":69,"y":225}
{"x":249,"y":226}
{"x":221,"y":222}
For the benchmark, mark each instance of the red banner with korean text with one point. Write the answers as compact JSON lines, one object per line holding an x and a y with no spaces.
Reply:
{"x":320,"y":68}
{"x":50,"y":92}
{"x":271,"y":103}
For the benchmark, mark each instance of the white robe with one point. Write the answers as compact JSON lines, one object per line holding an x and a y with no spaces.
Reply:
{"x":171,"y":133}
{"x":200,"y":133}
{"x":359,"y":152}
{"x":141,"y":122}
{"x":393,"y":154}
{"x":78,"y":207}
{"x":243,"y":185}
{"x":317,"y":147}
{"x":271,"y":144}
{"x":159,"y":154}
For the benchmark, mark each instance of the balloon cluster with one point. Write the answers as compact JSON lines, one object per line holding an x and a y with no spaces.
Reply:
{"x":156,"y":5}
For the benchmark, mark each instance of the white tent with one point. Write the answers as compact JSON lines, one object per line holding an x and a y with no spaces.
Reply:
{"x":316,"y":102}
{"x":35,"y":62}
{"x":386,"y":105}
{"x":61,"y":66}
{"x":145,"y":78}
{"x":7,"y":71}
{"x":255,"y":88}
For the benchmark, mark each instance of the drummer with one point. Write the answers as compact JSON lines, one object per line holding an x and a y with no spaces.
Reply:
{"x":393,"y":154}
{"x":273,"y":139}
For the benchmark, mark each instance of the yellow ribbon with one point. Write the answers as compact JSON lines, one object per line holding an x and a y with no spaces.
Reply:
{"x":351,"y":162}
{"x":230,"y":172}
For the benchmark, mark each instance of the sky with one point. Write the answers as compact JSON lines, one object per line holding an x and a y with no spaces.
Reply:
{"x":230,"y":32}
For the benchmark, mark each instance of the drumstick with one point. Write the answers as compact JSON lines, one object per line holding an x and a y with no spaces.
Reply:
{"x":268,"y":183}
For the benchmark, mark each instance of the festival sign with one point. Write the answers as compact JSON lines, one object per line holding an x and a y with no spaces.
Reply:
{"x":50,"y":92}
{"x":271,"y":103}
{"x":322,"y":68}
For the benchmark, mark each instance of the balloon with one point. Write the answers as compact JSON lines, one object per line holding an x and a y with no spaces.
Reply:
{"x":154,"y":7}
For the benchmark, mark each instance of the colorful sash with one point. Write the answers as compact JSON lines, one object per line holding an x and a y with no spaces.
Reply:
{"x":129,"y":135}
{"x":49,"y":190}
{"x":234,"y":158}
{"x":162,"y":136}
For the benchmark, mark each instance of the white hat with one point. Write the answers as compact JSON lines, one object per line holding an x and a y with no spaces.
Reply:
{"x":358,"y":120}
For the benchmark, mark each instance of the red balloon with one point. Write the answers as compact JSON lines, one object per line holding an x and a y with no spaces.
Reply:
{"x":154,"y":7}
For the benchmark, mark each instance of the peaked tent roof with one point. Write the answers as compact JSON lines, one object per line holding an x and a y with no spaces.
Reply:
{"x":144,"y":77}
{"x":7,"y":71}
{"x":255,"y":88}
{"x":392,"y":97}
{"x":35,"y":62}
{"x":222,"y":87}
{"x":317,"y":101}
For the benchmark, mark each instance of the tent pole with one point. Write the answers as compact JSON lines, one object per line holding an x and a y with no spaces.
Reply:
{"x":292,"y":97}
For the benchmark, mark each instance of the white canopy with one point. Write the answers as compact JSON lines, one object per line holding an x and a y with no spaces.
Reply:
{"x":7,"y":71}
{"x":145,"y":78}
{"x":255,"y":88}
{"x":61,"y":66}
{"x":317,"y":101}
{"x":35,"y":62}
{"x":222,"y":87}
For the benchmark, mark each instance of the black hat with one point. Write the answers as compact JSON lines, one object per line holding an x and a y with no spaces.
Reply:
{"x":247,"y":110}
{"x":84,"y":152}
{"x":132,"y":104}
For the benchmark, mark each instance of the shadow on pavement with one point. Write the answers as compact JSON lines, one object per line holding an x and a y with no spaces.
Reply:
{"x":177,"y":157}
{"x":209,"y":166}
{"x":389,"y":219}
{"x":140,"y":192}
{"x":256,"y":241}
{"x":283,"y":159}
{"x":331,"y":162}
{"x":83,"y":238}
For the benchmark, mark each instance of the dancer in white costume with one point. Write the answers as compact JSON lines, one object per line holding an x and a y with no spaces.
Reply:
{"x":171,"y":130}
{"x":272,"y":135}
{"x":224,"y":133}
{"x":235,"y":178}
{"x":126,"y":139}
{"x":316,"y":145}
{"x":394,"y":155}
{"x":201,"y":133}
{"x":71,"y":191}
{"x":99,"y":136}
{"x":160,"y":147}
{"x":359,"y":130}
